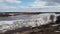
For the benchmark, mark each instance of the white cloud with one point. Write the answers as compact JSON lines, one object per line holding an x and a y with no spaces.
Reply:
{"x":37,"y":6}
{"x":5,"y":6}
{"x":43,"y":3}
{"x":38,"y":3}
{"x":41,"y":9}
{"x":1,"y":0}
{"x":13,"y":1}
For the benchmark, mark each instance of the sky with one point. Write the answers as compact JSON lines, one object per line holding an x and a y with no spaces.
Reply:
{"x":29,"y":5}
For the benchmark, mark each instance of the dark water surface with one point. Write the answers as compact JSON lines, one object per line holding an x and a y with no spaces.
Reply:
{"x":15,"y":18}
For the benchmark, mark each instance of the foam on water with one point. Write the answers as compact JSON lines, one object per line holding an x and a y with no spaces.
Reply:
{"x":24,"y":21}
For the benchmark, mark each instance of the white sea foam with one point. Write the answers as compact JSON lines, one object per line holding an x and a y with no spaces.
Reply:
{"x":15,"y":21}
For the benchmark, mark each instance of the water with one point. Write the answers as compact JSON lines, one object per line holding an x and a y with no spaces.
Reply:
{"x":15,"y":18}
{"x":12,"y":22}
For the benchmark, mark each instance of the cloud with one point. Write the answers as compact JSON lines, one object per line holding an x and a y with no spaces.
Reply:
{"x":1,"y":0}
{"x":57,"y":1}
{"x":50,"y":9}
{"x":44,"y":9}
{"x":42,"y":3}
{"x":13,"y":1}
{"x":52,"y":2}
{"x":4,"y":7}
{"x":37,"y":6}
{"x":7,"y":7}
{"x":38,"y":3}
